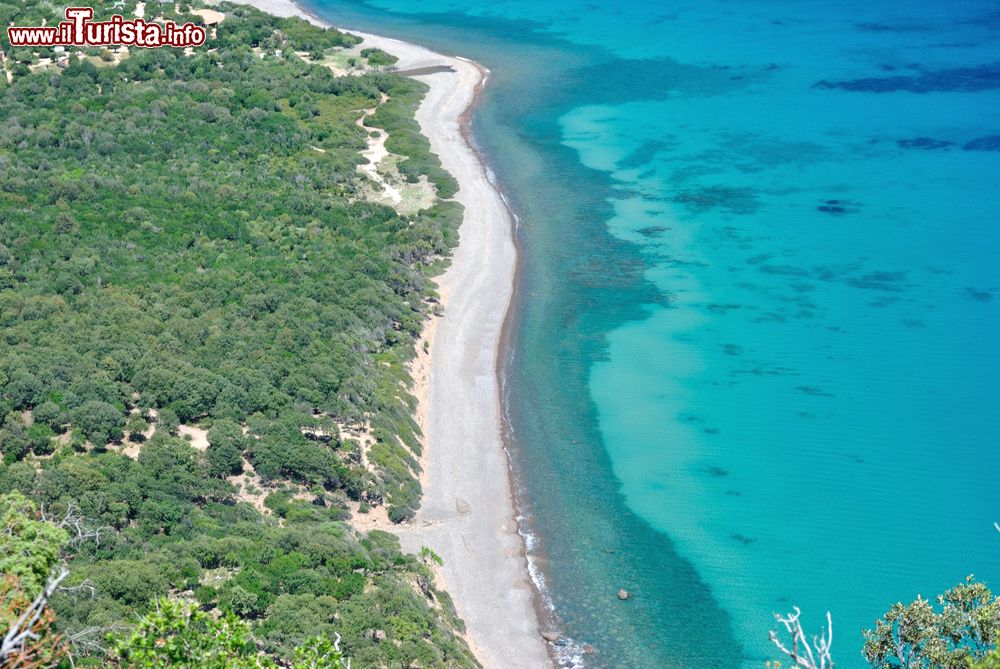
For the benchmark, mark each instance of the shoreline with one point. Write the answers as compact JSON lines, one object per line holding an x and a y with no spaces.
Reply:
{"x":468,"y":513}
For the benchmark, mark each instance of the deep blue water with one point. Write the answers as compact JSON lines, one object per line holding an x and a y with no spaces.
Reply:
{"x":754,"y":361}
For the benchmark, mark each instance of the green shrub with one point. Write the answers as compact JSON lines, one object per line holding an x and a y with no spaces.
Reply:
{"x":379,"y":58}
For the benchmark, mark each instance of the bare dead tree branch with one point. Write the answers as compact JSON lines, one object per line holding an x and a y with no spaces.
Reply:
{"x":336,"y":647}
{"x":90,"y":640}
{"x":22,"y":630}
{"x":802,"y":652}
{"x":84,"y":588}
{"x":76,"y":526}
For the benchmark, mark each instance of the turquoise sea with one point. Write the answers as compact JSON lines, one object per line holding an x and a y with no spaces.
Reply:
{"x":755,"y":352}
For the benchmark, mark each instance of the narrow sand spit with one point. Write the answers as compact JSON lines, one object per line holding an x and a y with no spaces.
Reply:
{"x":467,"y":514}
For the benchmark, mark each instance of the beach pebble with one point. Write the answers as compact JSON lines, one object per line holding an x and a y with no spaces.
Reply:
{"x":623,"y":594}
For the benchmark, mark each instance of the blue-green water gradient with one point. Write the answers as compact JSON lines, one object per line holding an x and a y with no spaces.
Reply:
{"x":754,"y":353}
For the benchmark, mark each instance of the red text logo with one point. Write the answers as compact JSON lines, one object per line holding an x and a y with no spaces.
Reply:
{"x":79,"y":30}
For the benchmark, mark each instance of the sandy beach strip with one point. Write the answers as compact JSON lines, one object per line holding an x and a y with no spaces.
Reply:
{"x":467,"y":512}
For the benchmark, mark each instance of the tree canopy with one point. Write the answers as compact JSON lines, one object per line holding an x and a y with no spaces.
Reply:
{"x":173,"y":634}
{"x":917,"y":635}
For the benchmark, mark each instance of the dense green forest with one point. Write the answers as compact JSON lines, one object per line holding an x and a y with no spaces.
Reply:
{"x":185,"y":241}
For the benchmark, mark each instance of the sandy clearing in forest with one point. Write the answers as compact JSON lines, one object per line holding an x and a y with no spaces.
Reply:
{"x":198,"y":436}
{"x":375,"y":154}
{"x":209,"y":16}
{"x":382,"y":168}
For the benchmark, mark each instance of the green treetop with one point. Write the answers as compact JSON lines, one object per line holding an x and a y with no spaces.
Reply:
{"x":176,"y":635}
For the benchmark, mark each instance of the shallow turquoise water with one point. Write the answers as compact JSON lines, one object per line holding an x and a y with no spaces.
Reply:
{"x":755,"y":360}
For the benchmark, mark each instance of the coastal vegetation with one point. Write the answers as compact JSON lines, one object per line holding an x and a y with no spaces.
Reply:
{"x":379,"y":58}
{"x":961,"y":632}
{"x":206,"y":329}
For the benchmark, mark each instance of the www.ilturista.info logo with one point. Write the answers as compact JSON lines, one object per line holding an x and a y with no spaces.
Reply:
{"x":79,"y":30}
